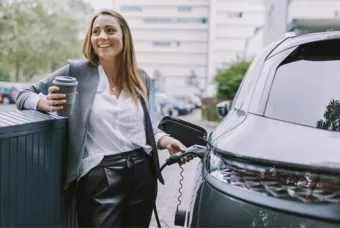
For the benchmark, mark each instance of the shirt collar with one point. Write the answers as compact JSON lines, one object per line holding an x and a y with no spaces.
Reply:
{"x":104,"y":85}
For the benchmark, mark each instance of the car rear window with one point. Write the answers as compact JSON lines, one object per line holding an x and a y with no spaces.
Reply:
{"x":306,"y":87}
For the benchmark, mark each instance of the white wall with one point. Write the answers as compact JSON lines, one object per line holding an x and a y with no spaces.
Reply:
{"x":318,"y":9}
{"x":168,"y":46}
{"x":170,"y":36}
{"x":235,"y":22}
{"x":275,"y":20}
{"x":182,"y":59}
{"x":237,"y":31}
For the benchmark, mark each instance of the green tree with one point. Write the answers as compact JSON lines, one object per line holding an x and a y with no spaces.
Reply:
{"x":230,"y":79}
{"x":39,"y":36}
{"x":331,"y":120}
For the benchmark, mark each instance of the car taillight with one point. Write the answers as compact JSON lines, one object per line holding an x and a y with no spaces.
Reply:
{"x":303,"y":186}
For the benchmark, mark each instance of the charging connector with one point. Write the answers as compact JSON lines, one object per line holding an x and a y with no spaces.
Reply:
{"x":195,"y":150}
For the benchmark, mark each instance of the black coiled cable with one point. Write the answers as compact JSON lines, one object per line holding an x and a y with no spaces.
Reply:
{"x":154,"y":203}
{"x":180,"y":189}
{"x":170,"y":161}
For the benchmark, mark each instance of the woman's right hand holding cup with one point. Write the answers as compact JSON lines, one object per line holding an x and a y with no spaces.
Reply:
{"x":48,"y":103}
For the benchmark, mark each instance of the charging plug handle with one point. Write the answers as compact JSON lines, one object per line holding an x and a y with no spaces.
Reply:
{"x":195,"y":150}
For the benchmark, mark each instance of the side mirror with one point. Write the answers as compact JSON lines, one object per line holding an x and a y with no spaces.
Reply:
{"x":189,"y":134}
{"x":223,"y":108}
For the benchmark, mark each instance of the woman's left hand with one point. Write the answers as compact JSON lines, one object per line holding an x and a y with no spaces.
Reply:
{"x":174,"y":146}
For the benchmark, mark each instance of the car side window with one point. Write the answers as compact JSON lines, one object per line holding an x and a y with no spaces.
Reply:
{"x":305,"y":89}
{"x":248,"y":81}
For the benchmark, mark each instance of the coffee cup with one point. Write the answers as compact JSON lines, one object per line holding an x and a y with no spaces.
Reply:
{"x":67,"y":85}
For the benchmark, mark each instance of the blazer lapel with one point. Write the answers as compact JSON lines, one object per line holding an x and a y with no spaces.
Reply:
{"x":150,"y":139}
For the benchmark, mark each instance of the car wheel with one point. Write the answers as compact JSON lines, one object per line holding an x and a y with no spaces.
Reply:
{"x":5,"y":100}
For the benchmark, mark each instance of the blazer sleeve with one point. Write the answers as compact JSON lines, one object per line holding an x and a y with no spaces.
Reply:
{"x":28,"y":97}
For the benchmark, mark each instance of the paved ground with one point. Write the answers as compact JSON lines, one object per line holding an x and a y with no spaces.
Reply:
{"x":168,"y":193}
{"x":7,"y":108}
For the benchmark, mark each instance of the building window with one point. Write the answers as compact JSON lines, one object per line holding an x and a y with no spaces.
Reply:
{"x":235,"y":14}
{"x":184,"y":8}
{"x":168,"y":20}
{"x":161,"y":43}
{"x":131,"y":8}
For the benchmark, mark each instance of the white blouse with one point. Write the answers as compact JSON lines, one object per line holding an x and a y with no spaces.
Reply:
{"x":114,"y":126}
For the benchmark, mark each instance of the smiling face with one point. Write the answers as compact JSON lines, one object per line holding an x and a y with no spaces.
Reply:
{"x":106,"y":37}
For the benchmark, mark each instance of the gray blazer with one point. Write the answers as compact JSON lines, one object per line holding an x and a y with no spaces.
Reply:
{"x":88,"y":79}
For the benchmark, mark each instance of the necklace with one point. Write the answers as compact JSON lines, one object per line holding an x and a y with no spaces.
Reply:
{"x":112,"y":87}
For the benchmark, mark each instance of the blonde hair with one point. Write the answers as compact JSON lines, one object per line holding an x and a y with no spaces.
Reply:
{"x":127,"y":62}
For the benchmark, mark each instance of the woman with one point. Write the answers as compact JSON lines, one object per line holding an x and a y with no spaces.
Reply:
{"x":112,"y":151}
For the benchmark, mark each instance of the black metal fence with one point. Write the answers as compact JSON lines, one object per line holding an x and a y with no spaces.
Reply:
{"x":32,"y":169}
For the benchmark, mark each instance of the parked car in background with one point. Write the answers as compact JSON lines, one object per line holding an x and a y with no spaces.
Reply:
{"x":188,"y":100}
{"x":274,"y":159}
{"x":8,"y":94}
{"x":173,"y":105}
{"x":196,"y":101}
{"x":177,"y":107}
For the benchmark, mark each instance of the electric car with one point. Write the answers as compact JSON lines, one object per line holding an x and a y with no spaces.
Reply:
{"x":274,"y":159}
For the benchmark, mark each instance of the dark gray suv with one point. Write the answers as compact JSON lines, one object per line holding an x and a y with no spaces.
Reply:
{"x":274,"y":160}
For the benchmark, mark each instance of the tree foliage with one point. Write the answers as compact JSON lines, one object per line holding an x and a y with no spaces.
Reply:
{"x":39,"y":36}
{"x":331,"y":120}
{"x":230,"y":79}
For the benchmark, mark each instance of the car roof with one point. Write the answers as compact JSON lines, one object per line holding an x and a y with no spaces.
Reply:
{"x":295,"y":40}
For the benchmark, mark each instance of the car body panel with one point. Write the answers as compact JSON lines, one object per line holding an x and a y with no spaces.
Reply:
{"x":195,"y":194}
{"x":218,"y":209}
{"x":245,"y":134}
{"x":279,"y":141}
{"x":303,"y":39}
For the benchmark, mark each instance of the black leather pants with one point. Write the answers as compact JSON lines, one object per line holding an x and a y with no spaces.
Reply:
{"x":119,"y":192}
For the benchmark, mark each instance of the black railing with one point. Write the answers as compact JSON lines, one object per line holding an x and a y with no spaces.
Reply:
{"x":32,"y":169}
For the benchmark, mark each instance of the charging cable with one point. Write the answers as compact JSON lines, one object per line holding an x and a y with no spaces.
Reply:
{"x":195,"y":151}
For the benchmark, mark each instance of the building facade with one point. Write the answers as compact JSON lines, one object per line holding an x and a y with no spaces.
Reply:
{"x":171,"y":40}
{"x":183,"y":43}
{"x":300,"y":16}
{"x":234,"y":24}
